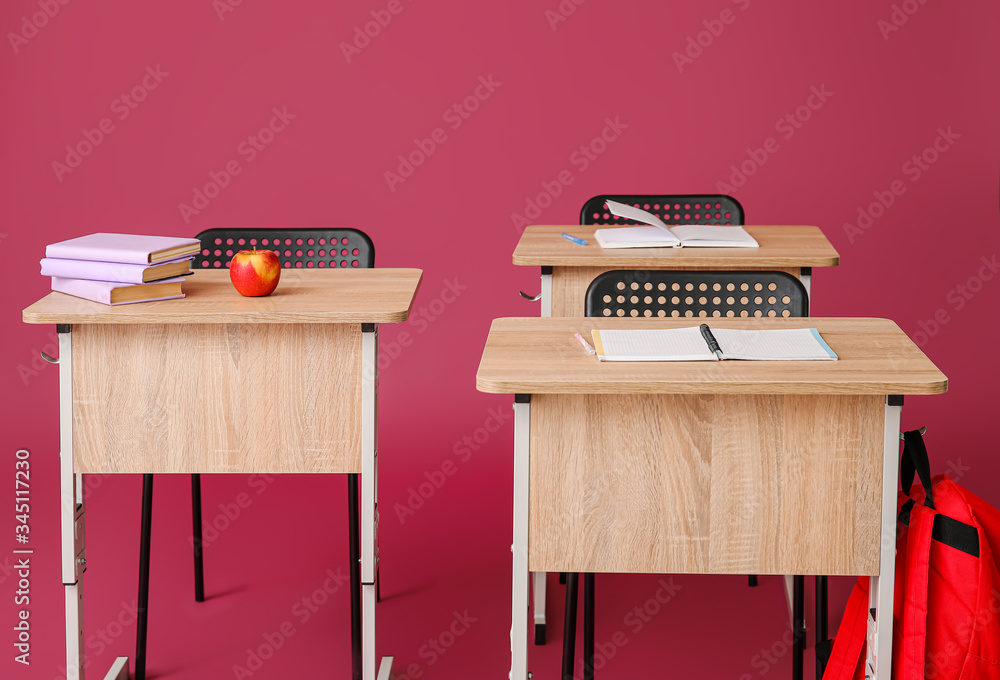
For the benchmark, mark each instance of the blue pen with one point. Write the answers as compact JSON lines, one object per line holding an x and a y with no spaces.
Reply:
{"x":574,"y":239}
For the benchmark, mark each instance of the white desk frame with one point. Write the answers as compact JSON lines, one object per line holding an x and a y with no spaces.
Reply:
{"x":73,"y":514}
{"x":882,"y":584}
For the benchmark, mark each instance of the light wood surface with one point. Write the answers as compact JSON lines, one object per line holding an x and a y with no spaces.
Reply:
{"x":780,"y":246}
{"x":534,"y":355}
{"x":302,"y":296}
{"x":569,"y":285}
{"x":724,"y":484}
{"x":239,"y":398}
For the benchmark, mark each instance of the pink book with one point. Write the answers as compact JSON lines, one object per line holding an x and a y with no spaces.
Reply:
{"x":126,"y":248}
{"x":115,"y":271}
{"x":112,"y":293}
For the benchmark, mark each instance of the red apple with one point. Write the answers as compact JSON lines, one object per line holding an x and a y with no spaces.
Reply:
{"x":255,"y":273}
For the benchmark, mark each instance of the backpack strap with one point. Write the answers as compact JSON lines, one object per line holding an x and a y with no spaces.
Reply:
{"x":847,"y":657}
{"x":951,"y":532}
{"x":915,"y":459}
{"x":911,"y":621}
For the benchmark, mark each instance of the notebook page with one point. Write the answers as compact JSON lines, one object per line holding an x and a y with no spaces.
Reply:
{"x":674,"y":344}
{"x":635,"y":237}
{"x":785,"y":344}
{"x":714,"y":235}
{"x":638,"y":214}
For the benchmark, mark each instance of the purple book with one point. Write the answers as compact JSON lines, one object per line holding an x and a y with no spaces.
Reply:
{"x":112,"y":293}
{"x":126,"y":248}
{"x":115,"y":271}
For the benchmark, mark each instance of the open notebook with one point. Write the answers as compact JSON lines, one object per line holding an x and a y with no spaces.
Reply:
{"x":658,"y":234}
{"x":698,"y":343}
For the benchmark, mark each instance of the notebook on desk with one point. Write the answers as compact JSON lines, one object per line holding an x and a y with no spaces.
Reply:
{"x":700,"y":343}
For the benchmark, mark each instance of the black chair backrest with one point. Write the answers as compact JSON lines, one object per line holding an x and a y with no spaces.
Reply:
{"x":654,"y":293}
{"x":329,"y":248}
{"x":691,"y":209}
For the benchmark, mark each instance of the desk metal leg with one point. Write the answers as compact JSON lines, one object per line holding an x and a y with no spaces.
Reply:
{"x":588,"y":627}
{"x":538,"y":596}
{"x":519,"y":547}
{"x":822,"y":621}
{"x":546,"y":293}
{"x":354,"y":539}
{"x":569,"y":627}
{"x":199,"y":554}
{"x":72,"y":516}
{"x":538,"y":578}
{"x":798,"y":627}
{"x":805,"y":276}
{"x":879,"y":648}
{"x":142,"y":611}
{"x":369,"y":506}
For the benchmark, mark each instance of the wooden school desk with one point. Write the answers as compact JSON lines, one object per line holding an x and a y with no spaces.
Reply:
{"x":160,"y":387}
{"x":729,"y":467}
{"x":568,"y":268}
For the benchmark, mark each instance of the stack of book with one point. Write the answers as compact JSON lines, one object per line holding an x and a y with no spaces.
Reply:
{"x":118,"y":269}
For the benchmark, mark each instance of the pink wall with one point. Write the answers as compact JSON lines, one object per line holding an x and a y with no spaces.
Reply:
{"x":827,"y":107}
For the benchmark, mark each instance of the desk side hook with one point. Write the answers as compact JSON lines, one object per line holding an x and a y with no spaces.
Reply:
{"x":923,"y":431}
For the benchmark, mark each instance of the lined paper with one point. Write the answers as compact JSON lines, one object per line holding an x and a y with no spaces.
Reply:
{"x":785,"y":344}
{"x":676,"y":344}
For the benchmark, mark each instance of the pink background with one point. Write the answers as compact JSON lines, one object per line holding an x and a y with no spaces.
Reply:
{"x":683,"y":122}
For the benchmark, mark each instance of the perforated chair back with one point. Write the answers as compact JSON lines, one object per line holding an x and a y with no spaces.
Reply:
{"x":691,"y":209}
{"x":696,"y":294}
{"x":297,"y":248}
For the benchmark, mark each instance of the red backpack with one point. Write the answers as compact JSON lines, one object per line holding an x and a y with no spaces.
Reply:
{"x":946,"y":607}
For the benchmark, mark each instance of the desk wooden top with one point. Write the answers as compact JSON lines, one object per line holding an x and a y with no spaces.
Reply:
{"x":540,"y":356}
{"x":302,"y":296}
{"x":780,"y":246}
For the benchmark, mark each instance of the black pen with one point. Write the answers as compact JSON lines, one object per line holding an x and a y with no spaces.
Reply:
{"x":713,"y":344}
